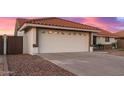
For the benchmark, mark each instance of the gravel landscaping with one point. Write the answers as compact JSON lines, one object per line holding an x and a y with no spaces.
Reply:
{"x":27,"y":65}
{"x":116,"y":52}
{"x":1,"y":67}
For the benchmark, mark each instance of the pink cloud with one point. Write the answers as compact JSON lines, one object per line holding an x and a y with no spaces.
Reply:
{"x":7,"y":26}
{"x":94,"y":22}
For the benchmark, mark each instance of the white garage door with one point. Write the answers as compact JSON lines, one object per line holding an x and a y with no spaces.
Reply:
{"x":57,"y":42}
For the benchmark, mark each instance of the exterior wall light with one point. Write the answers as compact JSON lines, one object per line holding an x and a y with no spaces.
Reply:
{"x":55,"y":32}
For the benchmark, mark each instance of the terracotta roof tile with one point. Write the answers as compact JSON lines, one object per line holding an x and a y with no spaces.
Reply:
{"x":53,"y":21}
{"x":120,"y":34}
{"x":106,"y":33}
{"x":19,"y":22}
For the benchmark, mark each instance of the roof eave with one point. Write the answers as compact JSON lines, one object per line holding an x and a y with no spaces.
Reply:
{"x":106,"y":36}
{"x":55,"y":27}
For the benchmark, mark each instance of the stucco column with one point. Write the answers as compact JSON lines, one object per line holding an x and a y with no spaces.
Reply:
{"x":35,"y":42}
{"x":29,"y":42}
{"x":4,"y":44}
{"x":91,"y":42}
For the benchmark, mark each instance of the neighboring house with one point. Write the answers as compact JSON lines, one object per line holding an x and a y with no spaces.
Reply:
{"x":52,"y":35}
{"x":120,"y":34}
{"x":120,"y":39}
{"x":104,"y":40}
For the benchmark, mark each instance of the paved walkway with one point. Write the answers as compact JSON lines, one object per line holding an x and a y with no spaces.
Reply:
{"x":1,"y":59}
{"x":3,"y":66}
{"x":89,"y":64}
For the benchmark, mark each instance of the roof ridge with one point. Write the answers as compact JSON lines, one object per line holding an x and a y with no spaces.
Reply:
{"x":119,"y":31}
{"x":77,"y":22}
{"x":21,"y":18}
{"x":44,"y":18}
{"x":105,"y":30}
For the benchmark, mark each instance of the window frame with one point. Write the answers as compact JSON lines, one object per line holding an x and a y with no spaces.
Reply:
{"x":107,"y":39}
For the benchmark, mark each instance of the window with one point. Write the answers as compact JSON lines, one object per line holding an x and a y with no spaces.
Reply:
{"x":94,"y":40}
{"x":107,"y":39}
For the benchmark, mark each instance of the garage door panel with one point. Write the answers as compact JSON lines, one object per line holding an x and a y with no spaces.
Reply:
{"x":53,"y":43}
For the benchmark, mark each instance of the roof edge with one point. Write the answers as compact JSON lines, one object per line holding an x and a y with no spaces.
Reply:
{"x":56,"y":27}
{"x":106,"y":36}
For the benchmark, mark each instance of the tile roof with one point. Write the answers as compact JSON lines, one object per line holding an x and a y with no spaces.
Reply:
{"x":106,"y":33}
{"x":19,"y":23}
{"x":120,"y":34}
{"x":53,"y":21}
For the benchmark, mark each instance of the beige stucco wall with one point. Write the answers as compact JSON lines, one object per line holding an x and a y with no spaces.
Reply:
{"x":25,"y":43}
{"x":20,"y":33}
{"x":101,"y":40}
{"x":57,"y":42}
{"x":29,"y":38}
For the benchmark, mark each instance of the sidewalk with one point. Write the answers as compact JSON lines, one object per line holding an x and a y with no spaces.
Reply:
{"x":3,"y":66}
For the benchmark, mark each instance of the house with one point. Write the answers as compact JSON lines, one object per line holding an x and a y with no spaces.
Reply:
{"x":120,"y":39}
{"x":53,"y":35}
{"x":120,"y":34}
{"x":104,"y":40}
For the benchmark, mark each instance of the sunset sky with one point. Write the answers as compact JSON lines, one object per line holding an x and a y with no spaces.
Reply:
{"x":112,"y":24}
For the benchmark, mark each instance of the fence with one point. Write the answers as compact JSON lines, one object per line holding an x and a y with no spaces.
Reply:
{"x":11,"y":44}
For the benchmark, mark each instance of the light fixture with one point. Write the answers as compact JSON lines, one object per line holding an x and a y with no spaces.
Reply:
{"x":55,"y":32}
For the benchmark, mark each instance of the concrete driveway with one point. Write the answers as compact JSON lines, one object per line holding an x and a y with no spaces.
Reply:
{"x":88,"y":64}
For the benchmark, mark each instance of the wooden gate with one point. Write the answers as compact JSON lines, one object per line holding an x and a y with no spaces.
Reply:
{"x":120,"y":43}
{"x":1,"y":45}
{"x":14,"y":45}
